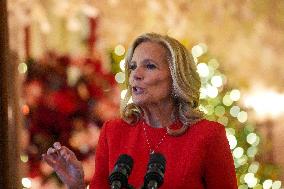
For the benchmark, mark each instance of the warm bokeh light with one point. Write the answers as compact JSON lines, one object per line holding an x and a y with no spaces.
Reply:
{"x":234,"y":111}
{"x":232,"y":141}
{"x":22,"y":68}
{"x":251,"y":138}
{"x":267,"y":184}
{"x":242,"y":116}
{"x":256,"y":141}
{"x":24,"y":158}
{"x":89,"y":10}
{"x":25,"y":109}
{"x":198,"y":50}
{"x":202,"y":69}
{"x":230,"y":131}
{"x":235,"y":95}
{"x":203,"y":93}
{"x":267,"y":104}
{"x":242,"y":160}
{"x":251,"y":152}
{"x":119,"y":50}
{"x":204,"y":47}
{"x":238,"y":152}
{"x":276,"y":184}
{"x":26,"y":182}
{"x":212,"y":91}
{"x":120,"y":77}
{"x":123,"y":93}
{"x":250,"y":180}
{"x":227,"y":100}
{"x":217,"y":81}
{"x":122,"y":64}
{"x":253,"y":168}
{"x":73,"y":74}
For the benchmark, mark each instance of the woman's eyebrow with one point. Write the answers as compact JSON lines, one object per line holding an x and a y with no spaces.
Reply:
{"x":149,"y":60}
{"x":145,"y":61}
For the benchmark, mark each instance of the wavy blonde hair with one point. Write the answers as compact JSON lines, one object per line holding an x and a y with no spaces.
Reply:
{"x":186,"y":82}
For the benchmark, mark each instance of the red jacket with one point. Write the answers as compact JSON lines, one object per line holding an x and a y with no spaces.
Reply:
{"x":199,"y":159}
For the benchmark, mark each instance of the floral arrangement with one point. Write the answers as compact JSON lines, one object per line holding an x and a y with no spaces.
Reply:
{"x":66,"y":99}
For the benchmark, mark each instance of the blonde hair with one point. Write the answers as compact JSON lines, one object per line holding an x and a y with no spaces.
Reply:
{"x":186,"y":82}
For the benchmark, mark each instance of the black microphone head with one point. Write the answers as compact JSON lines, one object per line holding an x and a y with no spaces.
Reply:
{"x":156,"y":170}
{"x":158,"y":158}
{"x":125,"y":159}
{"x":121,"y":171}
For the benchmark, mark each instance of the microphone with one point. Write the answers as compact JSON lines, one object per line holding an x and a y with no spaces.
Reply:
{"x":154,"y":177}
{"x":122,"y":169}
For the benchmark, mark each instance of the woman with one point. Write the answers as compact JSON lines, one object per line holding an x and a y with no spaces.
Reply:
{"x":162,"y":80}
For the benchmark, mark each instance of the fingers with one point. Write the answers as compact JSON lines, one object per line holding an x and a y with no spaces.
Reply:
{"x":67,"y":154}
{"x":67,"y":150}
{"x":64,"y":153}
{"x":58,"y":152}
{"x":57,"y":146}
{"x":60,"y":158}
{"x":49,"y":160}
{"x":51,"y":151}
{"x":50,"y":157}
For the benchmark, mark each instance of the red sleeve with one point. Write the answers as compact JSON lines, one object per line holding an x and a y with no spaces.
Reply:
{"x":100,"y":178}
{"x":219,"y":170}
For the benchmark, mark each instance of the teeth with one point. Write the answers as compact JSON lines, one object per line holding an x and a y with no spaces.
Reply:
{"x":138,"y":89}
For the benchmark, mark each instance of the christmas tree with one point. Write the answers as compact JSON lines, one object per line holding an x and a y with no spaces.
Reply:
{"x":219,"y":102}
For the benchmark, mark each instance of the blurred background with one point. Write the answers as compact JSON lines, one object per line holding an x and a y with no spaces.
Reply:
{"x":67,"y":60}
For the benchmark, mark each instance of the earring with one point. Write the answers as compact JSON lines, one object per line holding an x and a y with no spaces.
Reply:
{"x":174,"y":95}
{"x":193,"y":104}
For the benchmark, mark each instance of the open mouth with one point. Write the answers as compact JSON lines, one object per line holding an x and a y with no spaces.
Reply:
{"x":137,"y":90}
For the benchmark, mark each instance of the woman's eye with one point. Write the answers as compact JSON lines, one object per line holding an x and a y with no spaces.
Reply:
{"x":151,"y":66}
{"x":132,"y":67}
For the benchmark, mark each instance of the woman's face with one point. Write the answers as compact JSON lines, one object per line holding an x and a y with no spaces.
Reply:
{"x":150,"y":78}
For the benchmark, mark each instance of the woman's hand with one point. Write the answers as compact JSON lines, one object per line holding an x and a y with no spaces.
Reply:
{"x":66,"y":165}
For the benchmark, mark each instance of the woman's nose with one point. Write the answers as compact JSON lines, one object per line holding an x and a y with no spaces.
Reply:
{"x":137,"y":77}
{"x":137,"y":74}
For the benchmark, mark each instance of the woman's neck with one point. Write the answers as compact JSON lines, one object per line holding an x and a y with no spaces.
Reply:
{"x":160,"y":114}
